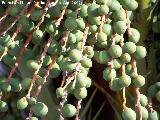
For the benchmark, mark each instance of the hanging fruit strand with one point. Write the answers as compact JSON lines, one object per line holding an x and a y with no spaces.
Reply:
{"x":18,"y":59}
{"x":6,"y":12}
{"x":13,"y":39}
{"x":43,"y":14}
{"x":17,"y":18}
{"x":45,"y":77}
{"x":39,"y":66}
{"x":58,"y":22}
{"x":78,"y":109}
{"x":123,"y":73}
{"x":22,"y":50}
{"x":134,"y":65}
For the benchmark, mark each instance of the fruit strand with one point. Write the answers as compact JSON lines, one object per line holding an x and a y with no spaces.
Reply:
{"x":17,"y":18}
{"x":78,"y":109}
{"x":18,"y":59}
{"x":43,"y":14}
{"x":58,"y":22}
{"x":123,"y":73}
{"x":39,"y":66}
{"x":6,"y":12}
{"x":45,"y":76}
{"x":13,"y":39}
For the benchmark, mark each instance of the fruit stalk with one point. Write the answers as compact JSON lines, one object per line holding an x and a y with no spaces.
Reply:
{"x":78,"y":109}
{"x":45,"y":77}
{"x":39,"y":66}
{"x":18,"y":59}
{"x":6,"y":12}
{"x":17,"y":18}
{"x":13,"y":39}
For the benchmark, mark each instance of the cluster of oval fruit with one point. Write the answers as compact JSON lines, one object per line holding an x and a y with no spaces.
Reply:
{"x":101,"y":38}
{"x":149,"y":106}
{"x":83,"y":35}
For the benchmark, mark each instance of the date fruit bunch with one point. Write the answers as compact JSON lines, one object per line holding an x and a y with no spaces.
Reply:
{"x":39,"y":42}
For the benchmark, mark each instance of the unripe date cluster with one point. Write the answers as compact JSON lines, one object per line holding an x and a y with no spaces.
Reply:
{"x":84,"y":34}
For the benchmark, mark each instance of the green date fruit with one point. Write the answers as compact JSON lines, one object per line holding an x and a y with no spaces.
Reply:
{"x":152,"y":90}
{"x":86,"y":62}
{"x":40,"y":109}
{"x":108,"y":74}
{"x":125,"y":58}
{"x":69,"y":110}
{"x":143,"y":100}
{"x":4,"y":40}
{"x":81,"y":80}
{"x":158,"y":96}
{"x":129,"y":47}
{"x":22,"y":103}
{"x":144,"y":113}
{"x":114,"y":85}
{"x":3,"y":106}
{"x":32,"y":65}
{"x":153,"y":115}
{"x":140,"y":52}
{"x":36,"y":14}
{"x":51,"y":27}
{"x":71,"y":23}
{"x":26,"y":83}
{"x":33,"y":118}
{"x":103,"y":10}
{"x":59,"y":92}
{"x":120,"y":27}
{"x":135,"y":35}
{"x":139,"y":81}
{"x":125,"y":81}
{"x":80,"y":93}
{"x":75,"y":55}
{"x":128,"y":114}
{"x":115,"y":51}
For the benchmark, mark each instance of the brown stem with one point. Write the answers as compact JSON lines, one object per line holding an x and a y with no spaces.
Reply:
{"x":6,"y":12}
{"x":150,"y":104}
{"x":64,"y":40}
{"x":18,"y":60}
{"x":16,"y":32}
{"x":45,"y":76}
{"x":78,"y":109}
{"x":58,"y":22}
{"x":138,"y":105}
{"x":110,"y":63}
{"x":122,"y":73}
{"x":43,"y":14}
{"x":128,"y":24}
{"x":5,"y":23}
{"x":134,"y":67}
{"x":4,"y":53}
{"x":102,"y":23}
{"x":22,"y":50}
{"x":64,"y":78}
{"x":56,"y":2}
{"x":39,"y":66}
{"x":17,"y":18}
{"x":124,"y":98}
{"x":13,"y":39}
{"x":85,"y":34}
